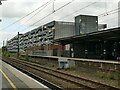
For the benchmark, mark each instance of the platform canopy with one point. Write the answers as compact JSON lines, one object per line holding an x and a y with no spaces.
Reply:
{"x":104,"y":35}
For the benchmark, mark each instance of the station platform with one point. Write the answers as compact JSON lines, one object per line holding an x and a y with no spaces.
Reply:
{"x":14,"y":79}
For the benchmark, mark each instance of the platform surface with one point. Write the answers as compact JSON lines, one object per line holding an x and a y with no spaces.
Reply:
{"x":13,"y":79}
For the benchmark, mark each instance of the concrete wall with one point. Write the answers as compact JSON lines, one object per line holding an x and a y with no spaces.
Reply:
{"x":64,"y":29}
{"x":50,"y":50}
{"x":12,"y":44}
{"x":85,"y":24}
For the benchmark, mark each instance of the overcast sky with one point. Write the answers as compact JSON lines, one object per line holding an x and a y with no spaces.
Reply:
{"x":12,"y":10}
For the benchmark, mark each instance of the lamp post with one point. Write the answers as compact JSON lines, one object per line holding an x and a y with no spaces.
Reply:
{"x":18,"y":46}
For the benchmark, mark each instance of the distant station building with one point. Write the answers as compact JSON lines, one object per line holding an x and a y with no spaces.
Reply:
{"x":84,"y":38}
{"x":85,"y":24}
{"x":91,"y":43}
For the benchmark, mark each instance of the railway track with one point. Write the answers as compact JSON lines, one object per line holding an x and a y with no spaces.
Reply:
{"x":78,"y":81}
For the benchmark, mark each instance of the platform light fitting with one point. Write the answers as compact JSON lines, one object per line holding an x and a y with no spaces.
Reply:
{"x":1,"y":2}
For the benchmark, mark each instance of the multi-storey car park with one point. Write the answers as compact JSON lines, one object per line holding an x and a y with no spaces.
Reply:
{"x":91,"y":43}
{"x":82,"y":39}
{"x":12,"y":44}
{"x":44,"y":36}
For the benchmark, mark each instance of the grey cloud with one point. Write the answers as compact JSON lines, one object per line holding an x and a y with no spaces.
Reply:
{"x":15,"y":10}
{"x":25,"y":7}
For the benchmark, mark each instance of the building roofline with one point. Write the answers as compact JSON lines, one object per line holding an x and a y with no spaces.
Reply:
{"x":88,"y":34}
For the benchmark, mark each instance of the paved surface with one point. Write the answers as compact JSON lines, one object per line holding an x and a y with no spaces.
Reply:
{"x":80,"y":59}
{"x":13,"y":79}
{"x":5,"y":83}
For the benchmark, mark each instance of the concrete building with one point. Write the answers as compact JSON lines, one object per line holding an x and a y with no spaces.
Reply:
{"x":46,"y":34}
{"x":64,"y":29}
{"x":38,"y":41}
{"x":86,"y":24}
{"x":82,"y":39}
{"x":88,"y":42}
{"x":43,"y":36}
{"x":12,"y":44}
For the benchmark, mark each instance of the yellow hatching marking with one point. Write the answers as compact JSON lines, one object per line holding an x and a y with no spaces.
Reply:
{"x":11,"y":83}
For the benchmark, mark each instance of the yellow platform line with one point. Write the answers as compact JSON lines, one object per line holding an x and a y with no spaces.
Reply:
{"x":10,"y":82}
